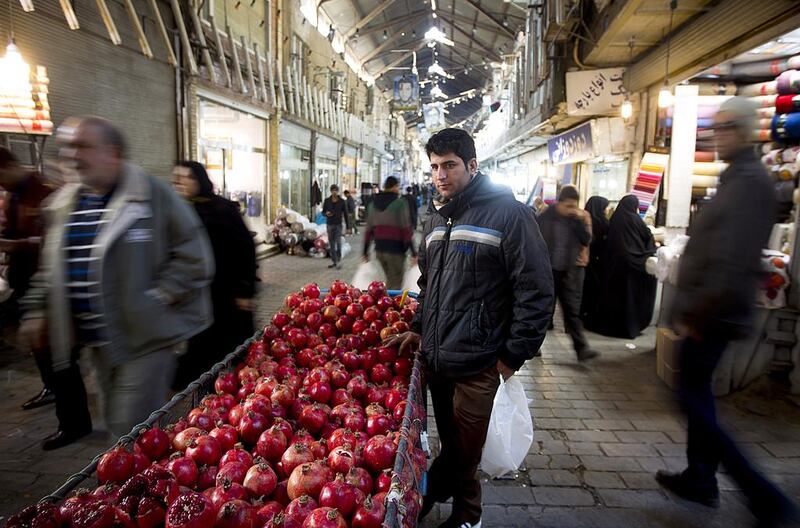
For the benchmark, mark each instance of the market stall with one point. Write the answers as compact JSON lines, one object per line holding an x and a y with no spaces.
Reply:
{"x":311,"y":423}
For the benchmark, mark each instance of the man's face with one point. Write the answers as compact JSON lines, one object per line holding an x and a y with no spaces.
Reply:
{"x":726,"y":135}
{"x":335,"y":193}
{"x":567,"y":207}
{"x":85,"y":150}
{"x":406,"y":91}
{"x":450,"y":175}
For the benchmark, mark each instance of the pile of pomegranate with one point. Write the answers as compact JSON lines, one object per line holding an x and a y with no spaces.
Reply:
{"x":302,"y":434}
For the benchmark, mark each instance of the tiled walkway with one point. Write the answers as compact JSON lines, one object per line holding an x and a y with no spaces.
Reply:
{"x":601,"y":430}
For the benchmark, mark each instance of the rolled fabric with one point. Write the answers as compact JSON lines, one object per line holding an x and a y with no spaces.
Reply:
{"x":766,"y":112}
{"x":765,"y":68}
{"x":787,"y":172}
{"x":794,"y":62}
{"x":701,"y":180}
{"x":789,"y":154}
{"x":762,"y":135}
{"x":764,"y":88}
{"x":764,"y":122}
{"x":705,"y":156}
{"x":701,"y":123}
{"x":786,"y":126}
{"x":786,"y":104}
{"x":788,"y":82}
{"x":717,"y":88}
{"x":765,"y":101}
{"x":705,"y":134}
{"x":707,"y":111}
{"x":708,"y":169}
{"x":772,"y":158}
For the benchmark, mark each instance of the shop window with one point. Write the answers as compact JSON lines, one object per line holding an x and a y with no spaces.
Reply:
{"x":608,"y":179}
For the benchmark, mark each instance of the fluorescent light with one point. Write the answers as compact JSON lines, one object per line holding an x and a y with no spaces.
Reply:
{"x":27,"y":5}
{"x":437,"y":92}
{"x":434,"y":34}
{"x":435,"y":69}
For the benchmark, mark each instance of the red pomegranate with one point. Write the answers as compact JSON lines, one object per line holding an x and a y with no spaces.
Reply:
{"x":238,"y":454}
{"x":355,"y":421}
{"x":226,"y":382}
{"x":384,"y":481}
{"x":301,"y":507}
{"x":137,"y":511}
{"x":236,"y":514}
{"x":379,"y":453}
{"x":311,"y":291}
{"x":325,"y":518}
{"x":192,"y":510}
{"x":341,"y":495}
{"x":341,"y":460}
{"x":257,"y":403}
{"x":296,"y":455}
{"x":207,"y":477}
{"x":69,"y":506}
{"x":260,"y":480}
{"x":285,"y":427}
{"x":251,"y":426}
{"x":313,"y":417}
{"x":94,"y":514}
{"x":185,"y":437}
{"x":234,"y":471}
{"x":369,"y":515}
{"x":237,"y":411}
{"x":226,"y":436}
{"x":47,"y":515}
{"x":307,"y":479}
{"x":154,"y":443}
{"x":116,"y":465}
{"x":341,"y":437}
{"x":265,"y":513}
{"x":184,"y":469}
{"x":225,"y":492}
{"x":379,"y":424}
{"x":204,"y":450}
{"x":360,"y":478}
{"x":203,"y":418}
{"x":271,"y":444}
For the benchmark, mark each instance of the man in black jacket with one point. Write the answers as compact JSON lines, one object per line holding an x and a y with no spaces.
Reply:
{"x":564,"y":229}
{"x":335,"y":209}
{"x":486,"y":292}
{"x":716,"y":291}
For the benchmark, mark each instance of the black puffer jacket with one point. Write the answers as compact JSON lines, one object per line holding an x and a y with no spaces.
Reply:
{"x":486,"y":287}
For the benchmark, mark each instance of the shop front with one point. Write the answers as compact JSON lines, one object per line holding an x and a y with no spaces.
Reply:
{"x":232,"y":144}
{"x":326,"y":163}
{"x":349,"y":166}
{"x":295,"y":167}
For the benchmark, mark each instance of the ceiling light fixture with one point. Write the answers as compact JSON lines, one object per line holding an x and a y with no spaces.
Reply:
{"x":665,"y":95}
{"x":434,"y":34}
{"x":626,"y":109}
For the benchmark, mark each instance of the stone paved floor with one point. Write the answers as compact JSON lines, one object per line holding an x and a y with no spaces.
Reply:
{"x":601,"y":430}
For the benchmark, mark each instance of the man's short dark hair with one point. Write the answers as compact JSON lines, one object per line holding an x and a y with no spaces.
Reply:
{"x":568,"y":192}
{"x":409,"y":189}
{"x":390,"y":182}
{"x":452,"y":141}
{"x":7,"y":158}
{"x":334,"y":187}
{"x":111,"y":134}
{"x":346,"y":192}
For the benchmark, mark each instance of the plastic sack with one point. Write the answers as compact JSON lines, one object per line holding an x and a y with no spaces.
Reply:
{"x":366,"y":273}
{"x":410,"y":279}
{"x":510,"y":431}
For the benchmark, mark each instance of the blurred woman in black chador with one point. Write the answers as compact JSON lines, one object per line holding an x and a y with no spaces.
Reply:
{"x":629,"y":292}
{"x":596,"y":206}
{"x":233,"y":287}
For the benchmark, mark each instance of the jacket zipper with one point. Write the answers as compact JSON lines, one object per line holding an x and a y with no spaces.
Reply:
{"x":438,"y":292}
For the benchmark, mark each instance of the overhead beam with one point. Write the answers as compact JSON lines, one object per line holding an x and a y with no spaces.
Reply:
{"x":618,"y":19}
{"x":382,"y":46}
{"x":394,"y":22}
{"x":485,"y":47}
{"x":137,"y":27}
{"x":162,"y":29}
{"x":489,"y":16}
{"x":466,"y":58}
{"x":471,"y":22}
{"x":397,"y":61}
{"x":369,"y":17}
{"x":408,"y":45}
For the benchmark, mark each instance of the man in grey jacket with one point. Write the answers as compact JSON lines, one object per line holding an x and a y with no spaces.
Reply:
{"x":125,"y":272}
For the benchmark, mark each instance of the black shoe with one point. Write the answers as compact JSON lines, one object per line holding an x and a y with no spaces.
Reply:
{"x":678,"y":484}
{"x":332,"y":266}
{"x":46,"y":397}
{"x":62,"y":438}
{"x":587,"y":354}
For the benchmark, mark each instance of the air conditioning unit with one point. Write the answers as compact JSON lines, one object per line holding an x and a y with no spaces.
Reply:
{"x":561,"y":18}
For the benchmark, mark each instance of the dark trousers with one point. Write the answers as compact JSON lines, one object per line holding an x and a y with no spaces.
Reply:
{"x":707,"y":444}
{"x":335,"y":242}
{"x":72,"y":405}
{"x":569,"y":290}
{"x":462,"y":408}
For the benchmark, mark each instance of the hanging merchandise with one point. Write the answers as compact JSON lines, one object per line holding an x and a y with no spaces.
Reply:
{"x":24,"y":108}
{"x":648,"y":179}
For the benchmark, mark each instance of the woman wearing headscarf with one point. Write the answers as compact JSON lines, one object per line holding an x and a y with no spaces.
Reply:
{"x":596,"y":207}
{"x":233,"y":286}
{"x":628,"y":290}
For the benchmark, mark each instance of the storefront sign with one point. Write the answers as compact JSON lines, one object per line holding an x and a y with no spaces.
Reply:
{"x":406,"y":93}
{"x":595,"y":92}
{"x":572,"y":146}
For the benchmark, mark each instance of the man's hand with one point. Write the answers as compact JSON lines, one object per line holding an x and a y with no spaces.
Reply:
{"x":404,"y":341}
{"x":504,"y":370}
{"x":328,"y":214}
{"x":33,"y":334}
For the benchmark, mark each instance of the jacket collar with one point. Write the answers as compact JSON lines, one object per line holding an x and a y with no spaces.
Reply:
{"x":133,"y":187}
{"x":462,"y":201}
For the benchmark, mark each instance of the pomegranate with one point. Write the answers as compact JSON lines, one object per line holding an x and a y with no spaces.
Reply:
{"x":284,"y":521}
{"x":285,"y":427}
{"x":341,"y":437}
{"x":369,"y":515}
{"x":192,"y":510}
{"x":344,"y":324}
{"x":375,"y":394}
{"x":293,"y":300}
{"x":251,"y":426}
{"x":280,"y":319}
{"x":341,"y":495}
{"x":72,"y":504}
{"x":301,"y":507}
{"x":379,"y":424}
{"x":379,"y":453}
{"x":313,"y":418}
{"x":311,"y":291}
{"x":280,"y":349}
{"x":265,"y":386}
{"x":204,"y":450}
{"x":203,"y":418}
{"x":265,"y":513}
{"x":400,"y":411}
{"x":257,"y":403}
{"x":226,"y":436}
{"x":304,"y":357}
{"x":47,"y":515}
{"x":351,"y":360}
{"x":355,"y":421}
{"x":340,"y":396}
{"x":260,"y":480}
{"x":401,"y":327}
{"x":327,"y":330}
{"x":185,"y":437}
{"x":294,"y":456}
{"x":302,"y":436}
{"x":366,"y":300}
{"x":359,"y":326}
{"x":248,"y":374}
{"x":325,"y":518}
{"x":271,"y":444}
{"x":140,"y":512}
{"x":238,"y":454}
{"x":393,"y":398}
{"x":387,"y":354}
{"x":360,"y":478}
{"x":354,"y":310}
{"x":236,"y":514}
{"x":357,"y":386}
{"x":234,"y":471}
{"x":93,"y":514}
{"x":154,"y":443}
{"x":140,"y":461}
{"x":280,"y":494}
{"x":106,"y":492}
{"x":116,"y":465}
{"x":226,"y":382}
{"x":307,"y":479}
{"x":236,"y":413}
{"x":184,"y":469}
{"x":207,"y":477}
{"x":282,"y":396}
{"x":384,"y":481}
{"x":370,"y":335}
{"x":339,"y":378}
{"x":225,"y":492}
{"x":320,"y":392}
{"x":341,"y":460}
{"x":402,"y":367}
{"x":297,"y":338}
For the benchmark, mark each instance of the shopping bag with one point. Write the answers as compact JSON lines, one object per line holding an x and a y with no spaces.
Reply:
{"x":410,"y":279}
{"x":366,"y":273}
{"x":510,"y":431}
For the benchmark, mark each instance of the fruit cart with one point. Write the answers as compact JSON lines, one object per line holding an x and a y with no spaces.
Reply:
{"x":403,"y":492}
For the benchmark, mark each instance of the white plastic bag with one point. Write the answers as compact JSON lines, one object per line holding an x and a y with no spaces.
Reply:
{"x":410,"y":279}
{"x":510,"y":431}
{"x":366,"y":273}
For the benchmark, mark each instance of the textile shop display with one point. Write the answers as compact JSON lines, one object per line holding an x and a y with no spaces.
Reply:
{"x":648,"y":179}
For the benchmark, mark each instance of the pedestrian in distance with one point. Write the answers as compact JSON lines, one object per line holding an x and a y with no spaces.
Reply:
{"x":486,"y":292}
{"x":596,"y":206}
{"x":628,"y":292}
{"x":124,"y":273}
{"x":389,"y":226}
{"x":352,"y":225}
{"x":413,"y":206}
{"x":233,"y":286}
{"x":21,"y":241}
{"x":567,"y":231}
{"x":335,"y":210}
{"x":717,"y":281}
